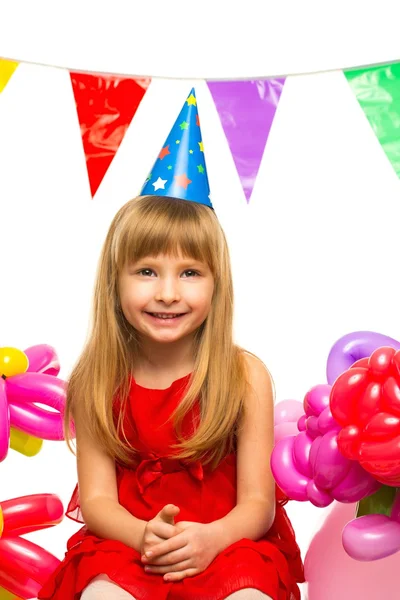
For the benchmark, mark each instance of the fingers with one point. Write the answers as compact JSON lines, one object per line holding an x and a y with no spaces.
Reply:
{"x":174,"y":543}
{"x":172,"y":558}
{"x":162,"y":570}
{"x":179,"y":575}
{"x":167,"y":513}
{"x":163,"y":530}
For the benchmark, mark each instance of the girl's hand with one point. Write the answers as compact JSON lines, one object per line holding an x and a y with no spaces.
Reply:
{"x":186,"y":554}
{"x":159,"y":529}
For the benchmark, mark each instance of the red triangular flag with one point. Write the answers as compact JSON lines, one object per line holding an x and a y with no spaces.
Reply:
{"x":105,"y":105}
{"x":247,"y":110}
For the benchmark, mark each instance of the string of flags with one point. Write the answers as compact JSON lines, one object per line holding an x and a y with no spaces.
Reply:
{"x":107,"y":104}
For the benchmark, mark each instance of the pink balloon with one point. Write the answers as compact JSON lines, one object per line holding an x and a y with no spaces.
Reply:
{"x":282,"y":430}
{"x":4,"y":421}
{"x":27,"y":388}
{"x":288,"y":411}
{"x":293,"y":483}
{"x":371,"y":537}
{"x":43,"y":359}
{"x":331,"y":573}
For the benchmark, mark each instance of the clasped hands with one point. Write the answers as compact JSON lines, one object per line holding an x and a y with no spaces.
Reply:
{"x":177,"y":550}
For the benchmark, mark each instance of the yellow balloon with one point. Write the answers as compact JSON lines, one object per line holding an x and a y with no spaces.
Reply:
{"x":5,"y":595}
{"x":24,"y":443}
{"x":12,"y":362}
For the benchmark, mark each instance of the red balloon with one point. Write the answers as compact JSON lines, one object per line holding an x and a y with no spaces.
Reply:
{"x":365,"y":400}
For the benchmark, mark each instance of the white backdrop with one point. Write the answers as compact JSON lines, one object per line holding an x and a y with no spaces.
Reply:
{"x":314,"y":253}
{"x":205,"y":39}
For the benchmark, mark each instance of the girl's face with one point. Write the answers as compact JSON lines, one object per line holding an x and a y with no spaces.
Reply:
{"x":166,"y":298}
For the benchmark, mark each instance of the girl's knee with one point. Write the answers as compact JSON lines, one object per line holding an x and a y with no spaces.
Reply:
{"x":248,"y":594}
{"x":103,"y":588}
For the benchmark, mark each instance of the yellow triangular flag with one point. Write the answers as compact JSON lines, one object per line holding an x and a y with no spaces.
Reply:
{"x":7,"y":68}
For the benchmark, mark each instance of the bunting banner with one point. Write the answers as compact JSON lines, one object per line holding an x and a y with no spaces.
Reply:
{"x":7,"y":68}
{"x":377,"y":90}
{"x":247,"y":110}
{"x":106,"y":106}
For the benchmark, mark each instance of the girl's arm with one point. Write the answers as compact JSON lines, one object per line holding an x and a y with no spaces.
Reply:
{"x":98,"y":494}
{"x":255,"y":510}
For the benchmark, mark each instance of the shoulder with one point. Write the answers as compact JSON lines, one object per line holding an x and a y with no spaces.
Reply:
{"x":258,"y":376}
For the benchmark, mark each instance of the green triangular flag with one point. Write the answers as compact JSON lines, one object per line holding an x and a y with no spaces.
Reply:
{"x":377,"y":89}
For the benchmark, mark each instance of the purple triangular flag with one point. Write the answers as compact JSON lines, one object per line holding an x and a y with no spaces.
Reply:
{"x":247,"y":110}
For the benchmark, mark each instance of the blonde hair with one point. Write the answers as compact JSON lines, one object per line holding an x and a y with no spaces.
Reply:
{"x":148,"y":226}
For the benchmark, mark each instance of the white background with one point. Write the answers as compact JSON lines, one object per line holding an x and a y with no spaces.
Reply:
{"x":315,"y":252}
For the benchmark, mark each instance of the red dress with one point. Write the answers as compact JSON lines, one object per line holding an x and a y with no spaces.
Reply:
{"x":271,"y":564}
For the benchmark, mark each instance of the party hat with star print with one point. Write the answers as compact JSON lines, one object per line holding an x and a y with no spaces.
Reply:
{"x":180,"y":169}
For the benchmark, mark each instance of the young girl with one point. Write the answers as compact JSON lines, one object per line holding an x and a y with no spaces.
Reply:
{"x":174,"y":426}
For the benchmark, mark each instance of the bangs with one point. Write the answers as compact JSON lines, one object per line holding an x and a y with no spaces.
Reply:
{"x":163,"y":225}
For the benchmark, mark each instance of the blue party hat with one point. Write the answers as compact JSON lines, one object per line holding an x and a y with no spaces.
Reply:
{"x":180,"y":169}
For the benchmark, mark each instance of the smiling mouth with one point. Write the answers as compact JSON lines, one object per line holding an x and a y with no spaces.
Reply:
{"x":165,"y":316}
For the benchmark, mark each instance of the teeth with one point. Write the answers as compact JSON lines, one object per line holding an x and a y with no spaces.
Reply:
{"x":160,"y":316}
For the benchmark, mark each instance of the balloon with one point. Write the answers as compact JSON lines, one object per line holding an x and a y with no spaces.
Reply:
{"x":309,"y":465}
{"x":24,"y":443}
{"x":25,"y":566}
{"x":30,"y":378}
{"x":332,"y":574}
{"x":352,"y":347}
{"x":43,"y":359}
{"x":12,"y":362}
{"x":371,"y":537}
{"x":288,"y":411}
{"x":365,"y":401}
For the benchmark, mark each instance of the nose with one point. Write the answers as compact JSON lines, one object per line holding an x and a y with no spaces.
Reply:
{"x":168,"y":290}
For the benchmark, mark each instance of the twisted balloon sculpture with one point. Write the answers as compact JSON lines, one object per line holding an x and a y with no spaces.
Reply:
{"x":25,"y":566}
{"x":28,"y":378}
{"x":347,"y":443}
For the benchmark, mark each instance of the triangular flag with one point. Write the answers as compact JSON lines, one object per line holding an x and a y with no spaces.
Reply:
{"x":7,"y":68}
{"x":377,"y":90}
{"x":105,"y":105}
{"x":246,"y":110}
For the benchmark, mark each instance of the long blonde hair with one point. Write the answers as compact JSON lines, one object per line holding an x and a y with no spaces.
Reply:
{"x":148,"y":226}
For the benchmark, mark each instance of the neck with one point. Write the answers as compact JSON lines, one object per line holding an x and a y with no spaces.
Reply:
{"x":175,"y":357}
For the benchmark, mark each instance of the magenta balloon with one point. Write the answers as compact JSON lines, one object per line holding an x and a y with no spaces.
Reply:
{"x":395,"y":514}
{"x":283,"y":430}
{"x":301,"y":453}
{"x":36,"y":421}
{"x":357,"y":484}
{"x":43,"y":359}
{"x":37,"y":387}
{"x":287,"y":477}
{"x":371,"y":537}
{"x":326,"y":422}
{"x":314,"y":454}
{"x":4,"y":421}
{"x":317,"y":399}
{"x":301,"y":423}
{"x":353,"y":346}
{"x":330,"y":465}
{"x":312,"y":426}
{"x":317,"y":496}
{"x":288,"y":411}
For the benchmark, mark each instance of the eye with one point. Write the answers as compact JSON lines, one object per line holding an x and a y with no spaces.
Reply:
{"x":192,"y":272}
{"x":145,"y":272}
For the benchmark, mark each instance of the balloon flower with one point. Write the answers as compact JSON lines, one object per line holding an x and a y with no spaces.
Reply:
{"x":25,"y":566}
{"x":309,"y":465}
{"x":27,"y":379}
{"x":347,"y":447}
